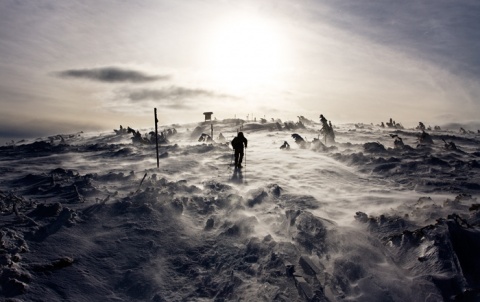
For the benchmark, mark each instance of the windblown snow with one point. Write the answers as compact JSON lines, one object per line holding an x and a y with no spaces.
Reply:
{"x":89,"y":216}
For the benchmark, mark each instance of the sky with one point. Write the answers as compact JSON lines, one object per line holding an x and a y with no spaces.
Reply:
{"x":70,"y":66}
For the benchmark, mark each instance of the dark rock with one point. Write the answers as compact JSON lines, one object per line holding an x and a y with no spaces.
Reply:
{"x":47,"y":210}
{"x":14,"y":287}
{"x":257,"y":199}
{"x":374,"y":147}
{"x":54,"y":265}
{"x":210,"y":223}
{"x":304,"y":289}
{"x":309,"y":267}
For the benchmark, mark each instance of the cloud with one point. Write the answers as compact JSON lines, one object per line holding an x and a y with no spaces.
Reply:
{"x":111,"y":75}
{"x":173,"y":97}
{"x":444,"y":34}
{"x":25,"y":126}
{"x":172,"y":93}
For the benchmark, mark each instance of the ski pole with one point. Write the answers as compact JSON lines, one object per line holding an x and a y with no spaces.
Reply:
{"x":245,"y":164}
{"x":231,"y":159}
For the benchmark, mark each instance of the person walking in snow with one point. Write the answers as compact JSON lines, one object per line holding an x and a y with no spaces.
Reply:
{"x":238,"y":144}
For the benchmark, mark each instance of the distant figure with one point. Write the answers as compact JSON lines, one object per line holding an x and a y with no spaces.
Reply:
{"x":238,"y":144}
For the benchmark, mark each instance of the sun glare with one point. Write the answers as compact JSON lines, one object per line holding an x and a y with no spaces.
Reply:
{"x":245,"y":53}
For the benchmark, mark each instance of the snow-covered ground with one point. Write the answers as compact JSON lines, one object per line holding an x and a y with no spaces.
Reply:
{"x":89,"y":217}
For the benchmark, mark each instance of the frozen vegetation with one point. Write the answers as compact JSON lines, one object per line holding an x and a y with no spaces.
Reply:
{"x":378,"y":214}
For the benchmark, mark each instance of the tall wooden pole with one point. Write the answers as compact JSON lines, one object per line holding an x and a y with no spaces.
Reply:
{"x":156,"y":136}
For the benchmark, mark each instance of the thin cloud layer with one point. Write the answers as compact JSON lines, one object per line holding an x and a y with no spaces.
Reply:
{"x":444,"y":33}
{"x":111,"y":75}
{"x":172,"y":93}
{"x":173,"y":97}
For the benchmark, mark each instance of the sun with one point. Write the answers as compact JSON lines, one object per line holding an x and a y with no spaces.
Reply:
{"x":245,"y":52}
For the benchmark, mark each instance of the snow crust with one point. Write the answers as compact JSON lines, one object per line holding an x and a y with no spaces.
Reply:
{"x":89,"y":217}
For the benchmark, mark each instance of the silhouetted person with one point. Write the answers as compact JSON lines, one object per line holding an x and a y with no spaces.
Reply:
{"x":238,"y":144}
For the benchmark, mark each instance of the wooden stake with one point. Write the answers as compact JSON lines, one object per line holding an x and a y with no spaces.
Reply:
{"x":156,"y":136}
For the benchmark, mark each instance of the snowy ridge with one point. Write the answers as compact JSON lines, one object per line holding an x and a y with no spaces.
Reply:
{"x":89,"y":217}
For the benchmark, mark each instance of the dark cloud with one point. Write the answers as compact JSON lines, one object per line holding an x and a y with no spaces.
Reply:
{"x":172,"y":93}
{"x":111,"y":75}
{"x":173,"y":97}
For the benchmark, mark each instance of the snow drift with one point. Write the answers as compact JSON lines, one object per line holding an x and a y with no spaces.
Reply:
{"x":89,"y":217}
